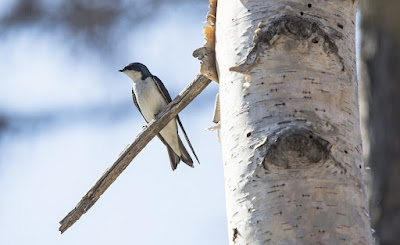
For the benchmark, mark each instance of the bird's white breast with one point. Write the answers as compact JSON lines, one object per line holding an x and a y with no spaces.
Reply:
{"x":149,"y":98}
{"x":151,"y":102}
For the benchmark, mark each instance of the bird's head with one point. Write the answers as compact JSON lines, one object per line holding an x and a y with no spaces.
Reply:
{"x":136,"y":71}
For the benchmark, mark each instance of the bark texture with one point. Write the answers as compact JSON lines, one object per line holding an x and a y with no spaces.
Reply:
{"x":381,"y":77}
{"x":290,"y":122}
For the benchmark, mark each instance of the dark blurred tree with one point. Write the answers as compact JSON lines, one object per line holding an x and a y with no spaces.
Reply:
{"x":381,"y":75}
{"x":2,"y":123}
{"x":93,"y":22}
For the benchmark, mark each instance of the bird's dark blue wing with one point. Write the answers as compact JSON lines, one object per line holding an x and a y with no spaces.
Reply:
{"x":187,"y":138}
{"x":136,"y":103}
{"x":167,"y":97}
{"x":162,"y":88}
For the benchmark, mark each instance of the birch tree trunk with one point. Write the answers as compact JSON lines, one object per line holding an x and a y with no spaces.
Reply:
{"x":381,"y":77}
{"x":290,"y":122}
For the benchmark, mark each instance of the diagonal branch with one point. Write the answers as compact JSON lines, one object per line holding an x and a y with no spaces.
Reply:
{"x":125,"y":158}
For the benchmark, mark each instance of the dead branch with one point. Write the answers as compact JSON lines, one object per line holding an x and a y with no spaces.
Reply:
{"x":125,"y":158}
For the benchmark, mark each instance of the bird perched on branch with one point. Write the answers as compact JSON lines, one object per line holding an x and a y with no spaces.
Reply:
{"x":150,"y":97}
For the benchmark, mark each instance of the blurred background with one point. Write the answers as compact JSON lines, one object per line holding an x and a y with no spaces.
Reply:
{"x":66,"y":114}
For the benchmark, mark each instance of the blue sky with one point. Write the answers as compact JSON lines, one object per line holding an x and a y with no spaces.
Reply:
{"x":72,"y":114}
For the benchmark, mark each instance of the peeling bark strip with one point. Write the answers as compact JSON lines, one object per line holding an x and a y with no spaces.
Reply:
{"x":125,"y":158}
{"x":207,"y":60}
{"x":290,"y":129}
{"x":293,"y":26}
{"x":207,"y":53}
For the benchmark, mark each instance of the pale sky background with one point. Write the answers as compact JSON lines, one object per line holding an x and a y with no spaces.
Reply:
{"x":69,"y":114}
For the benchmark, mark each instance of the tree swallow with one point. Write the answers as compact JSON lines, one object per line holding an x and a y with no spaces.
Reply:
{"x":150,"y":97}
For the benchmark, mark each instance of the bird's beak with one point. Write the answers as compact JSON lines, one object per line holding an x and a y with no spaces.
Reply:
{"x":122,"y":70}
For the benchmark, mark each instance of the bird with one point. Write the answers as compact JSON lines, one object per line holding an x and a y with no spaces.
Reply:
{"x":150,"y":97}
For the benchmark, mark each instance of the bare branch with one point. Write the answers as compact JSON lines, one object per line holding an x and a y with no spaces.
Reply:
{"x":125,"y":158}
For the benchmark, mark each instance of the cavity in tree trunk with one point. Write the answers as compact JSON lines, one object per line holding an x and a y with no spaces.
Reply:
{"x":290,"y":122}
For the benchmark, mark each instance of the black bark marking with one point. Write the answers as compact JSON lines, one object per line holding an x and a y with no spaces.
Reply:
{"x":235,"y":234}
{"x":293,"y":26}
{"x":284,"y":122}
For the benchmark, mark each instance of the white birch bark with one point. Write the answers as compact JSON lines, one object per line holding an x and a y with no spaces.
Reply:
{"x":290,"y":122}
